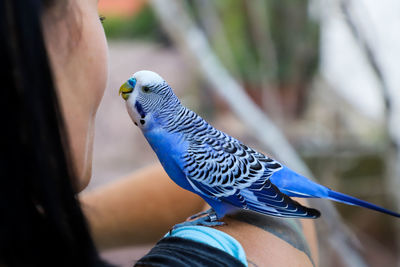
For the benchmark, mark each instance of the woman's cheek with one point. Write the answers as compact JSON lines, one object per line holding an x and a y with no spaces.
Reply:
{"x":97,"y":54}
{"x":92,"y":70}
{"x":102,"y":67}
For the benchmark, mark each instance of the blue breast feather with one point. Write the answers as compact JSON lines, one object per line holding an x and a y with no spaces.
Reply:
{"x":168,"y":148}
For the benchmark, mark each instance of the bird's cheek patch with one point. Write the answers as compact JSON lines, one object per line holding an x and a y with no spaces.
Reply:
{"x":140,"y":110}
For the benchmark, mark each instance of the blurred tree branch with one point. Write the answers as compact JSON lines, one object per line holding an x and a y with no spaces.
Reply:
{"x":214,"y":29}
{"x":189,"y":38}
{"x":368,"y":52}
{"x":392,"y":155}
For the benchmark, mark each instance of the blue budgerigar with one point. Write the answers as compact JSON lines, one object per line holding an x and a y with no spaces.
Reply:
{"x":227,"y":174}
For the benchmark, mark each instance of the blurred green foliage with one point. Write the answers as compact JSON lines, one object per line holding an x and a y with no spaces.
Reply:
{"x":143,"y":25}
{"x":237,"y":31}
{"x":296,"y":39}
{"x":272,"y":38}
{"x":265,"y":44}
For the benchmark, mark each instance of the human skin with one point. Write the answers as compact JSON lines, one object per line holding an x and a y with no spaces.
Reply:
{"x":141,"y":207}
{"x":78,"y":54}
{"x":137,"y":209}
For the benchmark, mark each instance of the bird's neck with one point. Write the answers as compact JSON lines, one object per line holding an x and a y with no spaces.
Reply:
{"x":164,"y":118}
{"x":168,"y":113}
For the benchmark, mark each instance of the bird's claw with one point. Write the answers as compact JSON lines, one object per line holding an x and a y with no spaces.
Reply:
{"x":200,"y":214}
{"x":210,"y":220}
{"x":201,"y":221}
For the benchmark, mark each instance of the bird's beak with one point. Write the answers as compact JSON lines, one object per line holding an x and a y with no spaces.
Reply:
{"x":125,"y":90}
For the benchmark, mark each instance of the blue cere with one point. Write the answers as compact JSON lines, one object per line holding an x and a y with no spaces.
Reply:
{"x":132,"y":82}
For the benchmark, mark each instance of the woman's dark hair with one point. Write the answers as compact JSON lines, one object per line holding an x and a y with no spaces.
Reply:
{"x":41,"y":222}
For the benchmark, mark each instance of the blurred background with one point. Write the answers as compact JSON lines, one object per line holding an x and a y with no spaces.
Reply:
{"x":313,"y":83}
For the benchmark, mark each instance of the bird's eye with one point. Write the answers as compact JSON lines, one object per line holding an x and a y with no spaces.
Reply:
{"x":145,"y":89}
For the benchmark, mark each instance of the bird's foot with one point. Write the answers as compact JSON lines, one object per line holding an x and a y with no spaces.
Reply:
{"x":200,"y":214}
{"x":208,"y":218}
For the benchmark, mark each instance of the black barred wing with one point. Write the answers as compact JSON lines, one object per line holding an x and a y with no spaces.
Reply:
{"x":225,"y":165}
{"x":220,"y":167}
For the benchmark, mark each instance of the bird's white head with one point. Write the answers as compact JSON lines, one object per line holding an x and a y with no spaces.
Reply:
{"x":148,"y":97}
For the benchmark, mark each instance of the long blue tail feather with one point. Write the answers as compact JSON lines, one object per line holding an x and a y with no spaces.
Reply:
{"x":296,"y":185}
{"x":336,"y":196}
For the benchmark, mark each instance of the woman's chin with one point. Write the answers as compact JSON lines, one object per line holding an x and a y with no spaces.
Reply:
{"x":84,"y":179}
